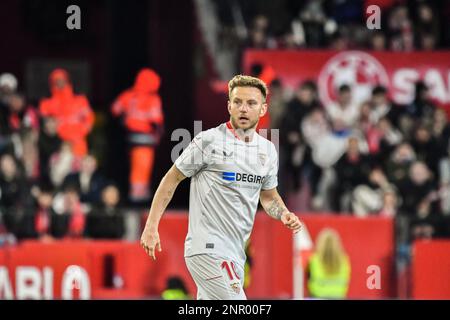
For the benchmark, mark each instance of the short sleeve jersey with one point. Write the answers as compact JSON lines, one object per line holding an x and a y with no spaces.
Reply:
{"x":227,"y":175}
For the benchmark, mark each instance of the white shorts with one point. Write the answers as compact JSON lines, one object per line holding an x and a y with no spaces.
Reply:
{"x":216,"y":278}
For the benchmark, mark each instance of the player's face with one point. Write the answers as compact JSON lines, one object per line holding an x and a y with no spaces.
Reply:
{"x":246,"y":106}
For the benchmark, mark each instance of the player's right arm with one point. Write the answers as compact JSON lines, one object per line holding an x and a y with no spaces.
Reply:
{"x":150,"y":236}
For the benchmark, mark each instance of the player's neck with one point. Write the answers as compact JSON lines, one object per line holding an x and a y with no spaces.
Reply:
{"x":245,"y":135}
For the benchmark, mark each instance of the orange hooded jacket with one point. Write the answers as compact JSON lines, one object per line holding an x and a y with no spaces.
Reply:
{"x":72,"y":112}
{"x":141,"y":104}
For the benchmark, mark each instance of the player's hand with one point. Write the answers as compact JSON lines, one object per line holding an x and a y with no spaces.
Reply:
{"x":150,"y":242}
{"x":291,"y":221}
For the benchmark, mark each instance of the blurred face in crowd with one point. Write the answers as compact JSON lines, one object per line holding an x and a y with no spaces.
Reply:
{"x":378,"y":42}
{"x":89,"y":164}
{"x":390,"y":199}
{"x":8,"y":166}
{"x":246,"y":106}
{"x":60,"y":82}
{"x":258,"y":38}
{"x":110,"y":196}
{"x":261,"y":23}
{"x":440,"y":116}
{"x":379,"y":99}
{"x":344,"y":97}
{"x":305,"y":95}
{"x":353,"y":145}
{"x":71,"y":199}
{"x":419,"y":173}
{"x":428,"y":42}
{"x":404,"y":153}
{"x":365,"y":110}
{"x":384,"y":125}
{"x":422,"y":135}
{"x":16,"y":103}
{"x":45,"y":199}
{"x":50,"y":126}
{"x":425,"y":13}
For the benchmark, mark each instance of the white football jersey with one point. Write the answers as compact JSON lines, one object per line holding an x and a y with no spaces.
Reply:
{"x":227,"y":175}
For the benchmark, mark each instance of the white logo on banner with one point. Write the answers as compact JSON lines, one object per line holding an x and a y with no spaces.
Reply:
{"x":359,"y":70}
{"x":34,"y":283}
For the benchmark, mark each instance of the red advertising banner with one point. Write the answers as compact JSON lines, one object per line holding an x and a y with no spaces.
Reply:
{"x":120,"y":269}
{"x":431,"y":269}
{"x":361,"y":70}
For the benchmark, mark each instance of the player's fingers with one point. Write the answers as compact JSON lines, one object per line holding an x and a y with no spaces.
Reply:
{"x":158,"y":246}
{"x":151,"y":253}
{"x":291,"y":222}
{"x":295,"y":224}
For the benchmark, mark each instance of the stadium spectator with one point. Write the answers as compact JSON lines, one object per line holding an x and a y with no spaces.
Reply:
{"x":39,"y":219}
{"x":328,"y":270}
{"x":399,"y":163}
{"x":422,"y":108}
{"x":89,"y":182}
{"x":391,"y":203}
{"x":343,"y":113}
{"x":107,"y":219}
{"x":70,"y":218}
{"x":312,"y":24}
{"x":8,"y":86}
{"x":72,"y":112}
{"x":24,"y":130}
{"x":141,"y":110}
{"x":400,"y":29}
{"x":419,"y":193}
{"x":48,"y":144}
{"x":377,"y":41}
{"x":62,"y":163}
{"x":369,"y":198}
{"x":293,"y":142}
{"x":381,"y":107}
{"x":14,"y":191}
{"x":427,"y":29}
{"x":352,"y":170}
{"x":427,"y":148}
{"x":427,"y":222}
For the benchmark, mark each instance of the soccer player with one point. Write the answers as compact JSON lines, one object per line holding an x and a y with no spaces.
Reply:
{"x":231,"y":168}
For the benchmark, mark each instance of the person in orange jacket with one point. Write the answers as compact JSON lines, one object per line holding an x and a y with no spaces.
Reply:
{"x":72,"y":112}
{"x":141,"y":112}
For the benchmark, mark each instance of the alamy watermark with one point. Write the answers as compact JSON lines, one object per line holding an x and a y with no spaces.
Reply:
{"x":374,"y":19}
{"x":374,"y":279}
{"x":203,"y":149}
{"x":73,"y":22}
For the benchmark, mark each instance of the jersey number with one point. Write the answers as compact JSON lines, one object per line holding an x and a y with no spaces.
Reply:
{"x":226,"y":265}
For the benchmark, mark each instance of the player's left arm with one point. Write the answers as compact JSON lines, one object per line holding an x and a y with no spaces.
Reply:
{"x":274,"y":206}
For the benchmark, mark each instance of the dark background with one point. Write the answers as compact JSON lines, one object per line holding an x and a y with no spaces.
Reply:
{"x":117,"y":38}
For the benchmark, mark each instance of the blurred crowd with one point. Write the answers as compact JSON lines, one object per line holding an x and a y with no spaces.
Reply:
{"x":374,"y":158}
{"x":337,"y":24}
{"x":51,"y":185}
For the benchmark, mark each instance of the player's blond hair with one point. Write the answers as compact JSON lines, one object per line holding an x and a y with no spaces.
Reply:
{"x":247,"y":81}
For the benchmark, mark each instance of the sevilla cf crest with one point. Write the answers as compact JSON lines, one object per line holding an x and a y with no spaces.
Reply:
{"x":236,"y":287}
{"x":262,"y":157}
{"x":360,"y":70}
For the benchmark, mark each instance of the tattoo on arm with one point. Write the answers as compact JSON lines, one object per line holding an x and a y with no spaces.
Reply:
{"x":275,"y":209}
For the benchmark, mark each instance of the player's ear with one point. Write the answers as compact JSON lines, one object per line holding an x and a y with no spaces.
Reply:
{"x":229,"y":106}
{"x":263,"y":110}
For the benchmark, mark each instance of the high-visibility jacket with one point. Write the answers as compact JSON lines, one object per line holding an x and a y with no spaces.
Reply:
{"x":141,"y":108}
{"x":175,"y":294}
{"x":72,"y":112}
{"x":323,"y":285}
